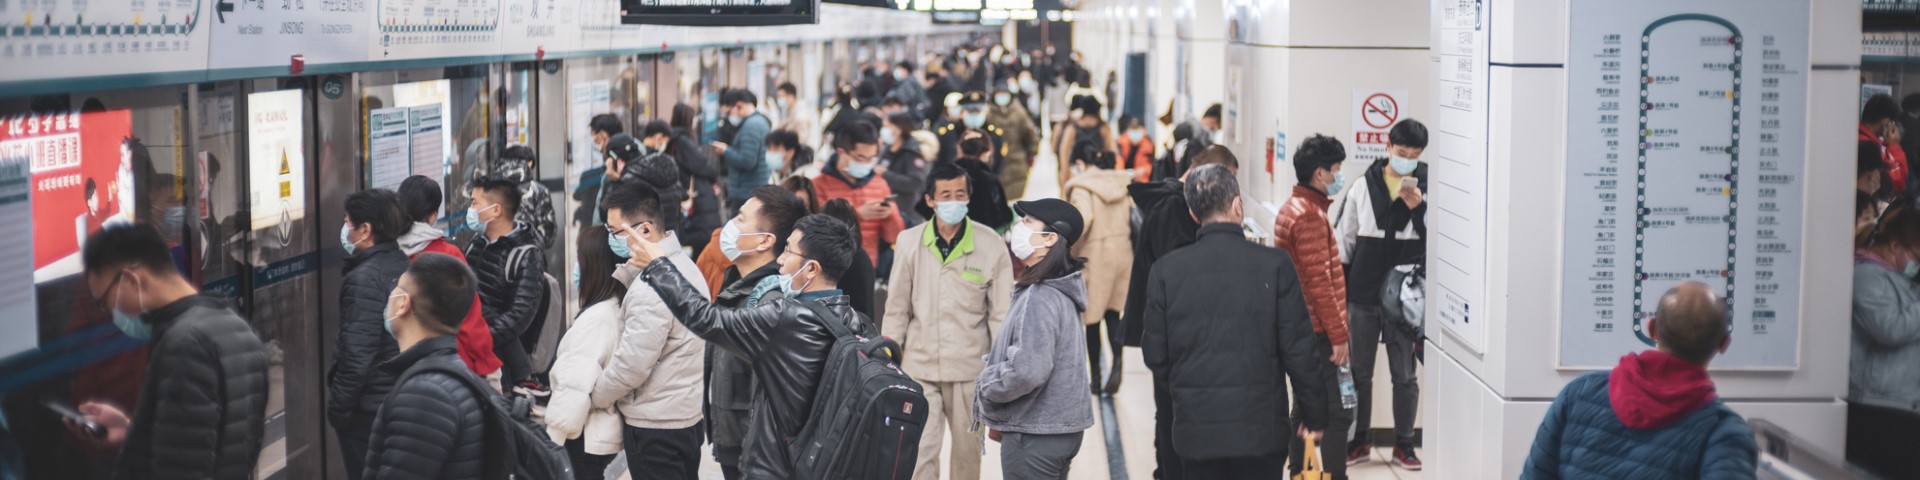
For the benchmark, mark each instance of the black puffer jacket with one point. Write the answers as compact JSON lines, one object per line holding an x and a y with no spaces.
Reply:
{"x":510,"y":295}
{"x":1165,"y":226}
{"x":363,"y":343}
{"x":696,"y":170}
{"x":203,"y":405}
{"x":433,"y":427}
{"x":786,"y":342}
{"x":1226,"y":324}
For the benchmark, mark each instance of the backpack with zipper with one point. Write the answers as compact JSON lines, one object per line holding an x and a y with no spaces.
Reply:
{"x":516,"y":446}
{"x":867,"y":414}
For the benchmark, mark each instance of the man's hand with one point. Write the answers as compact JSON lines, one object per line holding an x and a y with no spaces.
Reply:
{"x":718,"y":147}
{"x":1339,"y":354}
{"x":1412,"y":195}
{"x":644,"y":251}
{"x":107,"y":417}
{"x":875,"y":210}
{"x":1304,"y":433}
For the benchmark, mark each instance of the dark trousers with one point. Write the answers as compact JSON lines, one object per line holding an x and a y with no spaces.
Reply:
{"x":1333,"y":443}
{"x":1115,"y":334}
{"x":729,"y":460}
{"x":1881,"y":440}
{"x":1369,"y":325}
{"x":515,"y":365}
{"x":587,"y":466}
{"x":354,"y":432}
{"x":663,"y":454}
{"x":1261,"y":467}
{"x":1166,"y":460}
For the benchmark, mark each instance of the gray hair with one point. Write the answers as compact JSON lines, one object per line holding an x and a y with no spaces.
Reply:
{"x":1210,"y":191}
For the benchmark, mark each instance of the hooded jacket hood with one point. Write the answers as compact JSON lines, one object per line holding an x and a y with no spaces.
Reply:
{"x":1653,"y":390}
{"x":1151,"y":193}
{"x":512,"y":170}
{"x":415,"y":240}
{"x":1071,"y":285}
{"x":1109,"y":186}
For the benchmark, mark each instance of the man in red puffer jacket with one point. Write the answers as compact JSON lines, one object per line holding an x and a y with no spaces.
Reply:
{"x":420,"y":196}
{"x":1303,"y":231}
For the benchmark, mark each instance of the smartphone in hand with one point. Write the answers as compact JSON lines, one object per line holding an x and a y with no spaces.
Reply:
{"x":73,"y":416}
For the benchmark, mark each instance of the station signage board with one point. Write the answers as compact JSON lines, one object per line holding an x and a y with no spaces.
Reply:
{"x":719,"y":13}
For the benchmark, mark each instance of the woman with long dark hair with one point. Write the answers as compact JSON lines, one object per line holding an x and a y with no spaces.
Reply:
{"x":592,"y":436}
{"x":1032,"y":391}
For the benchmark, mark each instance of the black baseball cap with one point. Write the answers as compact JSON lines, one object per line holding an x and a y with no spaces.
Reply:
{"x":624,"y":147}
{"x":1059,"y":216}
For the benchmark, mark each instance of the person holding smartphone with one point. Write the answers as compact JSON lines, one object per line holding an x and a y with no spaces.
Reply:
{"x":852,"y":175}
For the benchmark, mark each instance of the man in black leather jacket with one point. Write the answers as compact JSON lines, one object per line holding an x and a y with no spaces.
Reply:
{"x":786,"y":342}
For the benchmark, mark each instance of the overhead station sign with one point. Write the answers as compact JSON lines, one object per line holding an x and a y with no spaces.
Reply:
{"x":989,"y":12}
{"x":719,"y":13}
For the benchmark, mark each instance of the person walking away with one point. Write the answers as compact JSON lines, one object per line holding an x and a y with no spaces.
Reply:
{"x":1166,"y":226}
{"x":1100,"y":194}
{"x":1876,"y":118}
{"x":1884,"y":385}
{"x":655,"y":375}
{"x":746,"y":154}
{"x":1087,"y":131}
{"x":1655,"y":415}
{"x":794,"y":116}
{"x":201,"y":350}
{"x":355,"y":387}
{"x":517,"y":163}
{"x":904,"y":168}
{"x":1020,"y":143}
{"x":592,"y":435}
{"x":434,"y":425}
{"x":945,"y":305}
{"x":752,"y":240}
{"x":1303,"y":231}
{"x":1382,"y":225}
{"x":701,"y":204}
{"x":420,"y":198}
{"x":859,"y":283}
{"x":1226,"y":322}
{"x":851,"y":176}
{"x":786,"y":340}
{"x":1136,"y":149}
{"x":1029,"y":397}
{"x":989,"y":204}
{"x":511,"y":271}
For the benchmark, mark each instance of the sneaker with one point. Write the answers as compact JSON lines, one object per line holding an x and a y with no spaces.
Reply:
{"x":1404,"y":458}
{"x":1359,"y":453}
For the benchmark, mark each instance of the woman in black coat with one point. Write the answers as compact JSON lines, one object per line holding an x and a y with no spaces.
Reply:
{"x":858,"y":282}
{"x":355,"y":387}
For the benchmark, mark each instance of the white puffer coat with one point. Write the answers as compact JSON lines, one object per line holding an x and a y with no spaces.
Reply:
{"x":584,"y":352}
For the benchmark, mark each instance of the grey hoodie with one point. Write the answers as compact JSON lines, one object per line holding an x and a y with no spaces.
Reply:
{"x":1886,"y":337}
{"x":1035,"y":381}
{"x":416,"y":239}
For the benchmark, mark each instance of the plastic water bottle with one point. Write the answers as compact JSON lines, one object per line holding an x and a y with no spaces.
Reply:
{"x":1348,"y":397}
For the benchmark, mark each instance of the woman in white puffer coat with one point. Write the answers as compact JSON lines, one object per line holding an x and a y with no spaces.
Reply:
{"x":592,"y":436}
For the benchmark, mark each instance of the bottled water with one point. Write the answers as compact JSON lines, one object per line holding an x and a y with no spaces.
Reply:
{"x":1348,"y":397}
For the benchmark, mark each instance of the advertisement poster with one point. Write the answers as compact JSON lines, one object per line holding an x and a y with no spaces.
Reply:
{"x":1374,"y":113}
{"x":16,"y":257}
{"x":1686,"y":161}
{"x":277,"y":187}
{"x":81,"y":179}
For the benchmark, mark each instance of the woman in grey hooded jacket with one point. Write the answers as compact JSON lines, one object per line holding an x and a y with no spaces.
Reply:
{"x":1032,"y":393}
{"x":1883,"y":395}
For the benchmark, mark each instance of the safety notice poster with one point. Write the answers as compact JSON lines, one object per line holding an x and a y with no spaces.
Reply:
{"x":1685,"y":162}
{"x":388,"y":147}
{"x":277,"y":161}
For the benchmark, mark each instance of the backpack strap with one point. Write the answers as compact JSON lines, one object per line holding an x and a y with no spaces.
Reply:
{"x":884,"y":347}
{"x":514,"y":259}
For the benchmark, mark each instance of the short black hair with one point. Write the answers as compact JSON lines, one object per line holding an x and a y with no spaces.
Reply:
{"x":90,"y":188}
{"x":943,"y":171}
{"x":637,"y":200}
{"x":892,"y":102}
{"x":420,"y":198}
{"x":1213,"y":112}
{"x":788,"y":88}
{"x":860,"y":132}
{"x":780,"y":209}
{"x":605,"y":123}
{"x":736,"y":96}
{"x":1215,"y":155}
{"x":902,"y":121}
{"x":1210,"y":191}
{"x":508,"y":190}
{"x":842,"y":210}
{"x":975,"y":147}
{"x":119,"y":245}
{"x":1408,"y":133}
{"x":443,"y":290}
{"x":906,"y":64}
{"x":1868,"y":159}
{"x":1128,"y":121}
{"x":1316,"y":153}
{"x":829,"y":241}
{"x":783,"y":138}
{"x":517,"y":152}
{"x":656,"y":127}
{"x":1879,"y":107}
{"x":380,"y":209}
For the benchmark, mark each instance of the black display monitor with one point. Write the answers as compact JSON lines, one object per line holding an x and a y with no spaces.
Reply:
{"x":719,"y":13}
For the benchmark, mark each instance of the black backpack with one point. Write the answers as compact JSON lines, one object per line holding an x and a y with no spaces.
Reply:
{"x":867,"y":414}
{"x":517,"y":447}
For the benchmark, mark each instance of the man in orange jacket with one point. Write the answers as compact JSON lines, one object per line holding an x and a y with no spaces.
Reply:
{"x":1302,"y":229}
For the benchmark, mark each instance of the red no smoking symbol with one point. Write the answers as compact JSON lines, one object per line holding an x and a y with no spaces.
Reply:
{"x":1380,"y":110}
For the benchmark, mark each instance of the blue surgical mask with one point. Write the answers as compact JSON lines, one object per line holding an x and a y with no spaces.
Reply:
{"x":132,"y":326}
{"x":473,"y":219}
{"x":175,"y":220}
{"x":1403,"y":166}
{"x":1339,"y":182}
{"x":974,"y":120}
{"x":1136,"y":135}
{"x":787,"y":286}
{"x":951,"y":213}
{"x":576,"y":277}
{"x":346,"y":237}
{"x":387,"y":315}
{"x":737,"y":120}
{"x":775,"y":160}
{"x":1002,"y":99}
{"x":619,"y":246}
{"x":1912,"y":268}
{"x":860,"y":169}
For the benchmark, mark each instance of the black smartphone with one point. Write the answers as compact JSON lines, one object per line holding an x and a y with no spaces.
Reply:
{"x":73,"y":414}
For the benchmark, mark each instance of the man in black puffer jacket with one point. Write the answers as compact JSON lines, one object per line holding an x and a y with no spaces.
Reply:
{"x":355,"y":389}
{"x":432,"y":426}
{"x":203,"y":405}
{"x":512,"y":273}
{"x":697,"y":174}
{"x":786,"y":342}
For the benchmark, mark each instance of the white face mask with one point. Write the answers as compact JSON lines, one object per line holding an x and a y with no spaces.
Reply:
{"x":1020,"y":237}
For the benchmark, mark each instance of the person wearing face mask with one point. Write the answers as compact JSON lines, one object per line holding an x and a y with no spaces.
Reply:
{"x":512,"y":273}
{"x":1302,"y":230}
{"x":746,"y":153}
{"x":794,"y":116}
{"x":654,"y":376}
{"x":946,"y":300}
{"x":972,"y":116}
{"x":752,"y":240}
{"x":203,"y":401}
{"x":1382,"y":225}
{"x":1136,"y":149}
{"x":603,"y":127}
{"x":433,"y":425}
{"x":1884,"y":387}
{"x":906,"y":88}
{"x":355,"y":387}
{"x":989,"y":206}
{"x":420,"y":199}
{"x":1021,"y":140}
{"x":1029,"y":393}
{"x":517,"y":163}
{"x":906,"y":169}
{"x":851,"y":176}
{"x":592,"y":436}
{"x":785,"y":339}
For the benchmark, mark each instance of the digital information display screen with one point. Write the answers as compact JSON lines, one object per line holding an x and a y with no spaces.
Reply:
{"x":719,"y":13}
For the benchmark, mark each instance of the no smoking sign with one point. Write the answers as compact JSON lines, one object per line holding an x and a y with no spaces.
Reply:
{"x":1375,"y":111}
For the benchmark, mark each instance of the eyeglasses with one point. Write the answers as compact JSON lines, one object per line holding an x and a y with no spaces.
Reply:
{"x":623,"y":231}
{"x":100,"y":301}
